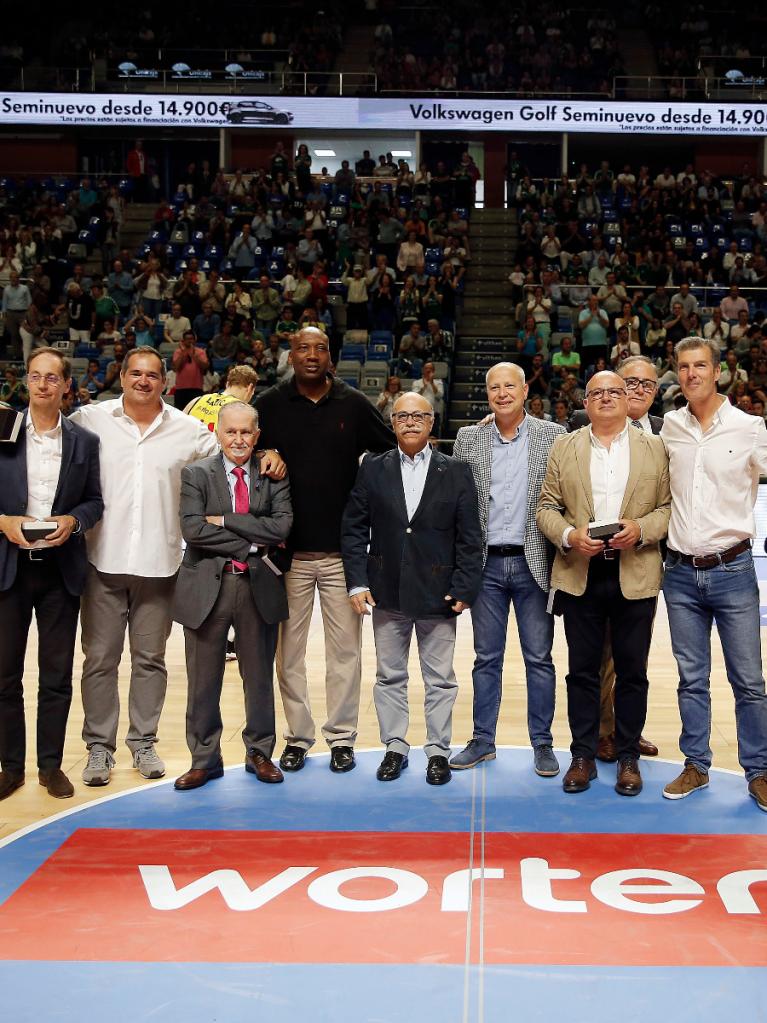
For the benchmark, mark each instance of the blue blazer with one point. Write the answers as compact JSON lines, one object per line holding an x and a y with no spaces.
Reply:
{"x":78,"y":493}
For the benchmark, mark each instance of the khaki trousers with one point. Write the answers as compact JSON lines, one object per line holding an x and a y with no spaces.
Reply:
{"x":310,"y":572}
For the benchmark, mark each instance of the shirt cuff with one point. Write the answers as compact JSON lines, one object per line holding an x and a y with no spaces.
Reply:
{"x":566,"y":537}
{"x":357,"y":589}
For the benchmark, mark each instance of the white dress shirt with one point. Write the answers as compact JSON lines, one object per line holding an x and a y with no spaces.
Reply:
{"x":140,"y":532}
{"x":714,"y":478}
{"x":43,"y":468}
{"x":609,"y":469}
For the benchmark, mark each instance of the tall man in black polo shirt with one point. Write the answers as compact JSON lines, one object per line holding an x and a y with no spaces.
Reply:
{"x":320,"y":426}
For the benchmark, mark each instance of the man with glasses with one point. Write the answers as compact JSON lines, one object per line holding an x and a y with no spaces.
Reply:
{"x":609,"y":480}
{"x":641,"y":379}
{"x":412,"y":550}
{"x":717,"y":453}
{"x":51,"y":474}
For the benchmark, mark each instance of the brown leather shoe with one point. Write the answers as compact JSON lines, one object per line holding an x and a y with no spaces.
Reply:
{"x":57,"y":783}
{"x":647,"y":748}
{"x":581,"y":773}
{"x":9,"y":782}
{"x":629,"y":780}
{"x":198,"y":777}
{"x":259,"y":764}
{"x":607,"y":751}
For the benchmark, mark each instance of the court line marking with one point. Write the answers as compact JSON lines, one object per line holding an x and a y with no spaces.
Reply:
{"x":62,"y":814}
{"x":467,"y":954}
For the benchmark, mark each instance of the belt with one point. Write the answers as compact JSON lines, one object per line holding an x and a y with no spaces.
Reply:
{"x":712,"y":560}
{"x":610,"y":553}
{"x":507,"y":550}
{"x":40,"y":554}
{"x":233,"y":570}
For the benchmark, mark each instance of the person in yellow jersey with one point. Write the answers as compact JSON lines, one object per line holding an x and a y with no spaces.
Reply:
{"x":240,"y":386}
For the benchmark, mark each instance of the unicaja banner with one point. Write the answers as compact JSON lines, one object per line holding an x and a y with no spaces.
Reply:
{"x":148,"y":110}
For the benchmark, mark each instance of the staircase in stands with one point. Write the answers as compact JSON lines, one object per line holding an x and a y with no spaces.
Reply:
{"x":486,"y":329}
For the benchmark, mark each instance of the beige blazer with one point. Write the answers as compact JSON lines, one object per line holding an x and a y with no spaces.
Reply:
{"x":566,"y":500}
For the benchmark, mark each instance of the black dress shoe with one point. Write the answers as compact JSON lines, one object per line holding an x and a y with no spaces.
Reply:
{"x":198,"y":777}
{"x":438,"y":771}
{"x":342,"y":759}
{"x":9,"y":782}
{"x":392,"y":765}
{"x":293,"y":758}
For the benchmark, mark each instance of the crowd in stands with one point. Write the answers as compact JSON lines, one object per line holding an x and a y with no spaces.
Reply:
{"x":508,"y":47}
{"x":234,"y":263}
{"x":618,"y":263}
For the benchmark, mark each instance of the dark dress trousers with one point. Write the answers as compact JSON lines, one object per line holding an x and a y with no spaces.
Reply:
{"x":47,"y":583}
{"x":209,"y":599}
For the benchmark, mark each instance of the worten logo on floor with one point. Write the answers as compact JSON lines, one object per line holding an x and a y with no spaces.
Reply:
{"x":613,"y":899}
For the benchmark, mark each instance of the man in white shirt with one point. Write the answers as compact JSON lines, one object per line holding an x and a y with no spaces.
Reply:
{"x":716,"y":454}
{"x":134,"y":555}
{"x":176,"y":325}
{"x":606,"y":474}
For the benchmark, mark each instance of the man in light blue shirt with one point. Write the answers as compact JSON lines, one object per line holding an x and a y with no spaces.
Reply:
{"x":508,"y":458}
{"x":16,"y":301}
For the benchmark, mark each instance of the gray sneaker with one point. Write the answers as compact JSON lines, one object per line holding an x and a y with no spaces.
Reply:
{"x":475,"y":752}
{"x":147,"y":763}
{"x":99,"y":766}
{"x":546,"y":764}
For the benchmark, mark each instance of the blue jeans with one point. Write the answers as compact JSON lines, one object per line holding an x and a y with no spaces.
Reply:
{"x":694,"y":598}
{"x":508,"y":581}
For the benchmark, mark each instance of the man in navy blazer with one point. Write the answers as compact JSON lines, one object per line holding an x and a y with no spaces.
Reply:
{"x":412,"y":549}
{"x":50,"y":473}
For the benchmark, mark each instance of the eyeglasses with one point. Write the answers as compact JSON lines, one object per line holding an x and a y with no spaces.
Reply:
{"x":634,"y":384}
{"x":50,"y":378}
{"x":419,"y":418}
{"x":613,"y":392}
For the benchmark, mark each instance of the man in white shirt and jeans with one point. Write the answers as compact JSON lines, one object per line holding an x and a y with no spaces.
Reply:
{"x":716,"y":454}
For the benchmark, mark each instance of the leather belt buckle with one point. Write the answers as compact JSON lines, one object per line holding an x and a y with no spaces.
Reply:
{"x":36,"y":554}
{"x":706,"y":561}
{"x":609,"y":554}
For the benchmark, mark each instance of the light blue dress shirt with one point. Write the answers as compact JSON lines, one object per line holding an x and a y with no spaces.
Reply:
{"x":414,"y":472}
{"x":507,"y":510}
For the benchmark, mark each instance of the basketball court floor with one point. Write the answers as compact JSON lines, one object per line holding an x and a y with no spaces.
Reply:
{"x":335,"y":896}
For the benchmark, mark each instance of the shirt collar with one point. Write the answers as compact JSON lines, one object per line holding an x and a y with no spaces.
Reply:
{"x":229,"y":466}
{"x":519,"y":435}
{"x":620,"y":438}
{"x":719,"y":416}
{"x":55,"y":432}
{"x":119,"y":409}
{"x":424,"y":455}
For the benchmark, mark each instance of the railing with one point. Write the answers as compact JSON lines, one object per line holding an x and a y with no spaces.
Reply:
{"x":699,"y":87}
{"x":513,"y":94}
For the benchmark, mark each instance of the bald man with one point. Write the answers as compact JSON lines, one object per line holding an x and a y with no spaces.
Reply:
{"x":412,"y":549}
{"x":610,"y":480}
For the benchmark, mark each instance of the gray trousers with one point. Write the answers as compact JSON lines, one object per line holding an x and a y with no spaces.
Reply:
{"x":110,"y":603}
{"x":256,"y":643}
{"x":436,"y":643}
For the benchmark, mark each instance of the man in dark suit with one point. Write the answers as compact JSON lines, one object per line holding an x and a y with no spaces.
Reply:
{"x":416,"y":510}
{"x":641,"y":379}
{"x":230,"y":518}
{"x":51,"y":472}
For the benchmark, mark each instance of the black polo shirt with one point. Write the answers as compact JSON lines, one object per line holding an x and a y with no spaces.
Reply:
{"x":321,"y":443}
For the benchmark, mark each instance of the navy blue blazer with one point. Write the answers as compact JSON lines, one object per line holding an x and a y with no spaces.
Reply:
{"x":78,"y":493}
{"x":411,"y":566}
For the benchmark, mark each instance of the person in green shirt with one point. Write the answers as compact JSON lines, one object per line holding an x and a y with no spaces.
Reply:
{"x":105,"y":306}
{"x":566,"y":359}
{"x":286,"y":325}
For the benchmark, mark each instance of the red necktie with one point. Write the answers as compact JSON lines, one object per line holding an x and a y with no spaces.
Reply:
{"x":241,"y":505}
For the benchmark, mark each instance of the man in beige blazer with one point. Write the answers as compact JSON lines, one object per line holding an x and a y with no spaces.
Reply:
{"x":606,"y":473}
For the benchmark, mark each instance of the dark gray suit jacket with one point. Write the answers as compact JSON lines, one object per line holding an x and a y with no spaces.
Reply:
{"x":204,"y":491}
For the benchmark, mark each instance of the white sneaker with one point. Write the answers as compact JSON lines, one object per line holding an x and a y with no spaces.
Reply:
{"x":99,"y":766}
{"x":147,"y":763}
